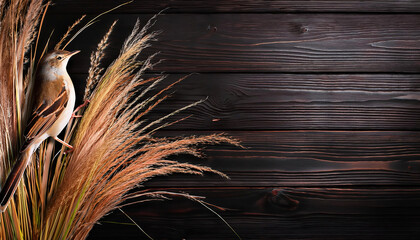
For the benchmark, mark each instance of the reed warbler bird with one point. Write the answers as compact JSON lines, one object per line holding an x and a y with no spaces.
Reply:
{"x":54,"y":99}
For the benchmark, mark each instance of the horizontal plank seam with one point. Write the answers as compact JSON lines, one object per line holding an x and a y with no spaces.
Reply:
{"x":344,"y":186}
{"x":280,"y":72}
{"x":64,"y":12}
{"x":294,"y":130}
{"x":379,"y":187}
{"x":289,"y":130}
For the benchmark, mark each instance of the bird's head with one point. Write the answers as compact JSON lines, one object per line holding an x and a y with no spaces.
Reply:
{"x":55,"y":62}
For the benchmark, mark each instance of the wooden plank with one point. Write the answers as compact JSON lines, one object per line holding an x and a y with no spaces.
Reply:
{"x":266,"y":42}
{"x":293,"y":101}
{"x":308,"y":158}
{"x":222,"y":6}
{"x":275,"y":213}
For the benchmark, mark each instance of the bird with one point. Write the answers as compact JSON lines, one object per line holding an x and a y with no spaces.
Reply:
{"x":53,"y":99}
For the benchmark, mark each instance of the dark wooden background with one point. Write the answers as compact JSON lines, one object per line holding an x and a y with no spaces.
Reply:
{"x":325,"y":95}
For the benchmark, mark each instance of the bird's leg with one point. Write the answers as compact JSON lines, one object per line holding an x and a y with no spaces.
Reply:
{"x":78,"y":108}
{"x":70,"y":150}
{"x":65,"y":144}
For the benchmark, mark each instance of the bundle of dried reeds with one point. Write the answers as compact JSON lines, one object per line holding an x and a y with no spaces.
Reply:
{"x":63,"y":197}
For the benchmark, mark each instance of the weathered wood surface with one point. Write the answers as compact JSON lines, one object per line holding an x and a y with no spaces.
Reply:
{"x":293,"y":101}
{"x":308,"y":158}
{"x":233,"y":6}
{"x":275,"y":213}
{"x":273,"y":72}
{"x":309,"y":43}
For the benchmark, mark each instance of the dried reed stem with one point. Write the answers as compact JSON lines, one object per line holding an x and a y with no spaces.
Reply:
{"x":19,"y":20}
{"x":69,"y":29}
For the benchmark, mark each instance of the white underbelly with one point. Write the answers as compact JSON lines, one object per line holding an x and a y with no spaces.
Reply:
{"x":65,"y":116}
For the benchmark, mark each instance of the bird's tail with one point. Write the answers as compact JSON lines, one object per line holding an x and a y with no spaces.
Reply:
{"x":14,"y":177}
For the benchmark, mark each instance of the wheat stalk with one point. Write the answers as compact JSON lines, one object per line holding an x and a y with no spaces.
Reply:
{"x":95,"y":61}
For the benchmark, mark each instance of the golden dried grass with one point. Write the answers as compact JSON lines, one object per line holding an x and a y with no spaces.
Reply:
{"x":18,"y":28}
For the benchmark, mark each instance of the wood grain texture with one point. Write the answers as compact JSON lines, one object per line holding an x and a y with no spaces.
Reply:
{"x":308,"y":158}
{"x":310,"y":43}
{"x":222,"y":6}
{"x":275,"y":213}
{"x":293,"y":101}
{"x":324,"y":95}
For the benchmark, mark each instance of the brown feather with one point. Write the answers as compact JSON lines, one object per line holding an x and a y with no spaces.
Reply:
{"x":48,"y":110}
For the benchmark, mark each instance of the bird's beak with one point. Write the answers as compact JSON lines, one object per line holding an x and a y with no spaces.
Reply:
{"x":73,"y":53}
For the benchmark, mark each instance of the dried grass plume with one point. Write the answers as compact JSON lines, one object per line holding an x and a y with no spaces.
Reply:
{"x":115,"y":149}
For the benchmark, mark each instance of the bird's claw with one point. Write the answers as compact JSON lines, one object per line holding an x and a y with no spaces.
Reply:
{"x":74,"y":115}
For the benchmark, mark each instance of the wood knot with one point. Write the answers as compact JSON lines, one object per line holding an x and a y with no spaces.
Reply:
{"x":281,"y":199}
{"x":299,"y":28}
{"x":303,"y":29}
{"x":210,"y":28}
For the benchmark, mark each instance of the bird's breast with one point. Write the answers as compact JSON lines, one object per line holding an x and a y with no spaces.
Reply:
{"x":66,"y":114}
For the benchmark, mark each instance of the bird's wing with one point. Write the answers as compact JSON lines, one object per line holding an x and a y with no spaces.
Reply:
{"x":45,"y":115}
{"x":42,"y":119}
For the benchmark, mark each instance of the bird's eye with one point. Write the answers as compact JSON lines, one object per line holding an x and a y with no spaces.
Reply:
{"x":59,"y":58}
